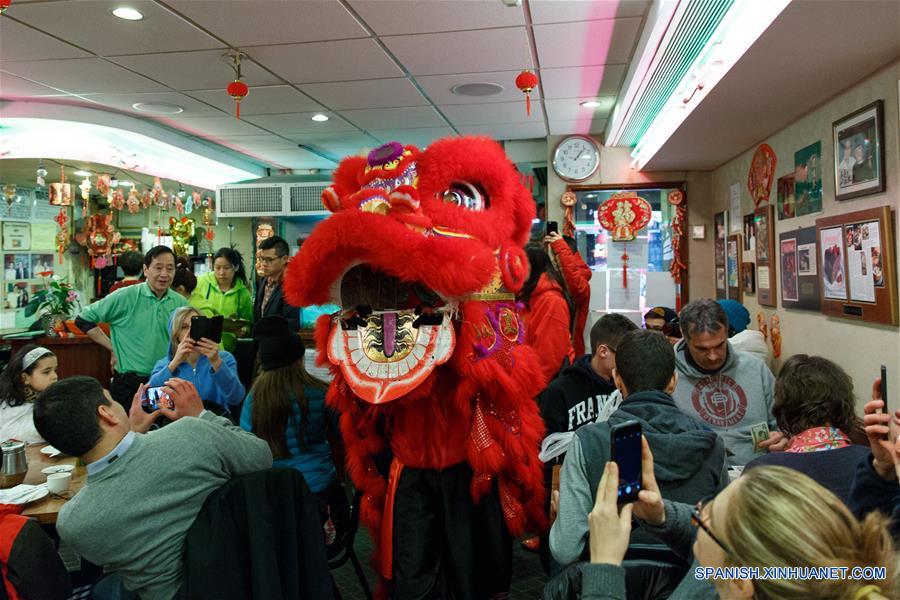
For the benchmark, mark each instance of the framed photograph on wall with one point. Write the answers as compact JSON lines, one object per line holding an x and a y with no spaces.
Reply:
{"x":720,"y":225}
{"x":766,"y":259}
{"x":808,"y":180}
{"x":733,"y":266}
{"x":799,"y":269}
{"x":749,"y":233}
{"x":859,"y":152}
{"x":858,"y":268}
{"x":787,"y":205}
{"x":748,"y":277}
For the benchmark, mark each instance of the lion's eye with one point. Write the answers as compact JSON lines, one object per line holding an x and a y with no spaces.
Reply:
{"x":466,"y":195}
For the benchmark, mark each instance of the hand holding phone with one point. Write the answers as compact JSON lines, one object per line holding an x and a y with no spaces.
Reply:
{"x":625,"y":446}
{"x":552,"y":227}
{"x":153,"y":397}
{"x":207,"y":327}
{"x":884,"y":396}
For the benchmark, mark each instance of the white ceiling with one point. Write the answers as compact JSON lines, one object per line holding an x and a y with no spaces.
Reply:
{"x":814,"y":50}
{"x":381,"y":69}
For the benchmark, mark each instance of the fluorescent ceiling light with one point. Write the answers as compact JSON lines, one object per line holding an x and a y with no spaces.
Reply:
{"x":25,"y":137}
{"x":126,"y":184}
{"x":655,"y":113}
{"x":320,"y":118}
{"x":83,"y":173}
{"x":590,"y":104}
{"x":128,"y":13}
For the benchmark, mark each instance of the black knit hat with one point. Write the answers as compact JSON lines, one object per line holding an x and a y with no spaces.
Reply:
{"x":278,"y":345}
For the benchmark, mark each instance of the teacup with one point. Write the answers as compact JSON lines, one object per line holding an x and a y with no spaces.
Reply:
{"x":58,"y":483}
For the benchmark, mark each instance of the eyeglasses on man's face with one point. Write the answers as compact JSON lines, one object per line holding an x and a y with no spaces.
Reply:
{"x":697,"y":521}
{"x":269,"y":259}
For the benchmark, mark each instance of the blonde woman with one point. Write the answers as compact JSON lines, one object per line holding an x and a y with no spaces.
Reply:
{"x":770,"y":517}
{"x":212,"y":371}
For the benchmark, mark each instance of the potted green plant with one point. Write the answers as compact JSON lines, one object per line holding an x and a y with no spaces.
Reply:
{"x":56,"y":302}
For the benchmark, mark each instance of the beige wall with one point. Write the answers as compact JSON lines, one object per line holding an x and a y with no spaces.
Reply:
{"x":615,"y":168}
{"x":858,"y":347}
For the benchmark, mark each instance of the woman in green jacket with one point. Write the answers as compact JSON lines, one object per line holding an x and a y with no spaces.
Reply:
{"x":225,"y":291}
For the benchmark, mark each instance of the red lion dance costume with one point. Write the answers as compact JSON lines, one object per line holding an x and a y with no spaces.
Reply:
{"x":434,"y":385}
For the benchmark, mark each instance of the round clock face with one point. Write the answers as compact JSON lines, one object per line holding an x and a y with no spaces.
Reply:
{"x":576,"y":158}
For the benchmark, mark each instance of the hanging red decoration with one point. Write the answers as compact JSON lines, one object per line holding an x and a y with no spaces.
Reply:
{"x":676,"y":227}
{"x":527,"y":81}
{"x":4,"y":4}
{"x":237,"y":89}
{"x":624,"y":214}
{"x":762,"y":171}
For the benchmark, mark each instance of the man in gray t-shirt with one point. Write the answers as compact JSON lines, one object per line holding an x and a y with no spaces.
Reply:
{"x":729,"y":391}
{"x":143,"y":490}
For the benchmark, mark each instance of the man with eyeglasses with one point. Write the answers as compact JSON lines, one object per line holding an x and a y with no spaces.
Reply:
{"x":690,"y":460}
{"x":664,"y":320}
{"x":273,"y":257}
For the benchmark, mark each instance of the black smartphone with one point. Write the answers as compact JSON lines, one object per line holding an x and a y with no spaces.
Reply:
{"x":625,"y":447}
{"x":552,"y":227}
{"x":153,"y":397}
{"x":884,"y":396}
{"x":207,"y":327}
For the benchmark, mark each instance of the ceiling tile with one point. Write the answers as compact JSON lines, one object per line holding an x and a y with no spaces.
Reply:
{"x":19,"y":42}
{"x":493,"y":113}
{"x":438,"y":87}
{"x":82,"y":76}
{"x":582,"y":82}
{"x":570,"y":109}
{"x":124,"y":102}
{"x":316,"y":62}
{"x":255,"y":142}
{"x":271,"y":22}
{"x":295,"y":123}
{"x":372,"y":93}
{"x":212,"y":127}
{"x":420,"y":137}
{"x":16,"y":87}
{"x":262,"y":100}
{"x":335,"y":139}
{"x":194,"y":70}
{"x":427,"y":17}
{"x":394,"y":118}
{"x":561,"y":11}
{"x":586,"y":43}
{"x":91,"y":25}
{"x":343,"y":152}
{"x":583,"y":126}
{"x":295,"y":159}
{"x":458,"y":52}
{"x":511,"y":131}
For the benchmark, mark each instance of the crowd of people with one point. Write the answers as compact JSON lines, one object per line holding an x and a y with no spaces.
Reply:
{"x":739,"y":468}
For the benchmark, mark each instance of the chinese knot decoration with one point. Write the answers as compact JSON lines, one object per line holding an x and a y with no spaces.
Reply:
{"x":99,"y":237}
{"x":762,"y":170}
{"x":62,"y":236}
{"x":527,"y":81}
{"x":624,"y":214}
{"x":676,"y":199}
{"x":237,"y":89}
{"x":568,"y":200}
{"x":181,"y":230}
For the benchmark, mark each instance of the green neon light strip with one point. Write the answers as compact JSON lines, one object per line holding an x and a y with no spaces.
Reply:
{"x":694,"y":31}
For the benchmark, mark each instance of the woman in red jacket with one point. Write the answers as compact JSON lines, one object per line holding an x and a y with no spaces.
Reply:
{"x":547,"y":315}
{"x":577,"y":276}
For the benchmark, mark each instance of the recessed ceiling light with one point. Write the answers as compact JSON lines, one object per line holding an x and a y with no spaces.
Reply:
{"x":320,"y":118}
{"x":590,"y":104}
{"x":127,"y":13}
{"x":83,"y":173}
{"x":476,"y":89}
{"x":158,"y":108}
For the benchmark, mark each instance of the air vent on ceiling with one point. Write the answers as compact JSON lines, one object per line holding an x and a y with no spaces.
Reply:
{"x":270,"y":199}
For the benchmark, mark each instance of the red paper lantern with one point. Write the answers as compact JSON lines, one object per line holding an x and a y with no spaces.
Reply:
{"x":527,"y":81}
{"x":238,"y":90}
{"x":4,"y":4}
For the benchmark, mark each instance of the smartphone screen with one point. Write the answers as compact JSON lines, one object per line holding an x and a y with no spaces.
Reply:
{"x":152,"y":397}
{"x":625,"y":443}
{"x":552,"y":227}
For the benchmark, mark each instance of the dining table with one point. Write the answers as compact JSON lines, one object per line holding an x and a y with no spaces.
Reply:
{"x":47,"y":509}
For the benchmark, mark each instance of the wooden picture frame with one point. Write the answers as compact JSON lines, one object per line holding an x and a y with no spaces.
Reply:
{"x":748,"y":277}
{"x":798,"y":257}
{"x":857,"y":265}
{"x":733,"y":250}
{"x":720,"y":233}
{"x":858,"y":139}
{"x":766,"y":258}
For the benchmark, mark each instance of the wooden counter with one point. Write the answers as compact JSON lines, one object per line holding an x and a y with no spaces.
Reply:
{"x":76,"y":355}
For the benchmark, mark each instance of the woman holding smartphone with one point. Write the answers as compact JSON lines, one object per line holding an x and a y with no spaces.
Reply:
{"x":769,"y":517}
{"x":225,"y":291}
{"x":212,"y":371}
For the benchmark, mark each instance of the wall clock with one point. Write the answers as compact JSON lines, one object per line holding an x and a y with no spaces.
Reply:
{"x":576,"y":158}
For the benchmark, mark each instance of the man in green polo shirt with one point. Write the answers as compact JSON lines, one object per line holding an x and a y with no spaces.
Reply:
{"x":138,"y":317}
